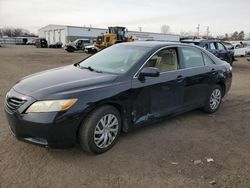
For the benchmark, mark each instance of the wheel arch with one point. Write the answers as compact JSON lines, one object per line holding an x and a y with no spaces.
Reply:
{"x":119,"y":107}
{"x":223,"y":87}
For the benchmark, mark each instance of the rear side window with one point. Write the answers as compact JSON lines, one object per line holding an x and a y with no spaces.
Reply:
{"x":220,"y":46}
{"x":207,"y":60}
{"x":212,"y":46}
{"x":205,"y":46}
{"x":192,"y":57}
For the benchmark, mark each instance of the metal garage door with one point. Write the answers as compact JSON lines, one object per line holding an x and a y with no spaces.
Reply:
{"x":62,"y":36}
{"x":57,"y":35}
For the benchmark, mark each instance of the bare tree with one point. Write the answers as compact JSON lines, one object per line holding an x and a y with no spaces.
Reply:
{"x":241,"y":35}
{"x":165,"y":29}
{"x":17,"y":32}
{"x":226,"y":36}
{"x":7,"y":32}
{"x":234,"y":36}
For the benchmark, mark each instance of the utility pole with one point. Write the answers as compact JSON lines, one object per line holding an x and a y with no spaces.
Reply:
{"x":208,"y":31}
{"x":198,"y":30}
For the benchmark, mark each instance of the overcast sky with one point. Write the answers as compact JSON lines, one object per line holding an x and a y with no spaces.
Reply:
{"x":222,"y":16}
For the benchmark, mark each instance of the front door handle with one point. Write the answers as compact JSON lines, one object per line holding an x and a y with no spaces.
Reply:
{"x":179,"y":78}
{"x":213,"y":71}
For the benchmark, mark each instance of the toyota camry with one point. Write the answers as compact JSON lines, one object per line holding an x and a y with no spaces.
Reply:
{"x":117,"y":89}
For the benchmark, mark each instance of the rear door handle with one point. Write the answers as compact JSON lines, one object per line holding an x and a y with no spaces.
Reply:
{"x":179,"y":78}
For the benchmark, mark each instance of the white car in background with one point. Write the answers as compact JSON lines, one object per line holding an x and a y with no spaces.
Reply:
{"x":239,"y":50}
{"x":248,"y":48}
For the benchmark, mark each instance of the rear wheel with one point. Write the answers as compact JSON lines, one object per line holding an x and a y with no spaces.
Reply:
{"x":94,"y":51}
{"x":214,"y":100}
{"x":70,"y":49}
{"x":100,"y":130}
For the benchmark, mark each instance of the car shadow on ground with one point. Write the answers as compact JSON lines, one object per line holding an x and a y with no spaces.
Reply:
{"x":134,"y":134}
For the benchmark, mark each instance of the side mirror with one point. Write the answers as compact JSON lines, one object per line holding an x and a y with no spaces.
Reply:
{"x":149,"y":72}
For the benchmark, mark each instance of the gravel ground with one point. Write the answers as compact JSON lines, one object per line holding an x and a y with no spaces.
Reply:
{"x":171,"y":153}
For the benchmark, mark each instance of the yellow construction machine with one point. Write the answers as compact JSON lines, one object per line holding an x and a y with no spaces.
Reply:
{"x":115,"y":35}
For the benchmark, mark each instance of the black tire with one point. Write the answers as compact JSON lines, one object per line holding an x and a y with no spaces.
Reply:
{"x":208,"y":108}
{"x":94,"y":51}
{"x":89,"y":125}
{"x":70,"y":49}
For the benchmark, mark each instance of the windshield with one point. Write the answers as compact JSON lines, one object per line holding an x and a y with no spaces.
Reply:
{"x":117,"y":59}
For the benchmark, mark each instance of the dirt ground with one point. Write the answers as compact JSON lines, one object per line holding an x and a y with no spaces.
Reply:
{"x":160,"y":155}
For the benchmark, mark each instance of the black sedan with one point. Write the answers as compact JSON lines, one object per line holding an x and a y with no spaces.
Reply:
{"x":117,"y":89}
{"x":215,"y":47}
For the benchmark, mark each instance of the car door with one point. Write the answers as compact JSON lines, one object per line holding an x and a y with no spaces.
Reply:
{"x":159,"y":96}
{"x":222,"y":51}
{"x":197,"y":77}
{"x":212,"y":48}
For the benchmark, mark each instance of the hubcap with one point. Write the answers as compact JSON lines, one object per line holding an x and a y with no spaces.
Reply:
{"x":215,"y":99}
{"x":106,"y":131}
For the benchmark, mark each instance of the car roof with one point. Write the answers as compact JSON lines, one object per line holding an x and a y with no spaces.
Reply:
{"x":156,"y":44}
{"x":150,"y":44}
{"x":199,"y":40}
{"x":83,"y":39}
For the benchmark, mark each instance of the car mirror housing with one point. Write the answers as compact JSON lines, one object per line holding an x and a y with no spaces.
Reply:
{"x":149,"y":72}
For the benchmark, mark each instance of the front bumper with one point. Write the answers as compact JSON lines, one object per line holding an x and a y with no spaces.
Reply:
{"x":53,"y":129}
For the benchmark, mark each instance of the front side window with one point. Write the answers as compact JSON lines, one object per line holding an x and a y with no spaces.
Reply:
{"x":192,"y":57}
{"x":165,"y":60}
{"x":117,"y":59}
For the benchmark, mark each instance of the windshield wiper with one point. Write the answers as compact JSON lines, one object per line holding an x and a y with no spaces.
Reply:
{"x":91,"y":69}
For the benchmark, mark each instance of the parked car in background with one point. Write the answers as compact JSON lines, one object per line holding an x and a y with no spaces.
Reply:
{"x":31,"y":42}
{"x":41,"y":43}
{"x":239,"y":49}
{"x":56,"y":45}
{"x":215,"y":47}
{"x":78,"y":44}
{"x":230,"y":47}
{"x":119,"y":88}
{"x":248,"y":48}
{"x":92,"y":49}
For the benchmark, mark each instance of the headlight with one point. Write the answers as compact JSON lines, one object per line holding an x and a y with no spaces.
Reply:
{"x":51,"y":105}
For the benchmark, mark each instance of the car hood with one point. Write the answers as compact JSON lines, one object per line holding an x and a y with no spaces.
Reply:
{"x":62,"y":82}
{"x":70,"y":44}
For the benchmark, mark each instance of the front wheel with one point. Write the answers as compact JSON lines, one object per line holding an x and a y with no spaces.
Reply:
{"x":100,"y":130}
{"x":230,"y":61}
{"x":214,"y":100}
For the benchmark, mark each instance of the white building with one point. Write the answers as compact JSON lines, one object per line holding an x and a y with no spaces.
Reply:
{"x":64,"y":34}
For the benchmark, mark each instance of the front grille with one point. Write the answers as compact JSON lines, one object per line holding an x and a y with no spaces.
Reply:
{"x":13,"y":103}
